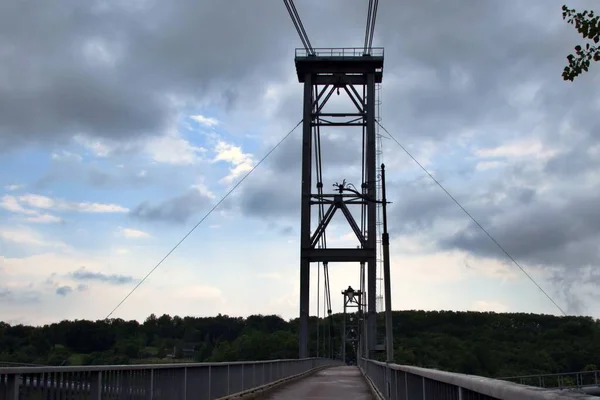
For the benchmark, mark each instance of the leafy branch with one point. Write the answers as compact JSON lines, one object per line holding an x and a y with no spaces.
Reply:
{"x":588,"y":25}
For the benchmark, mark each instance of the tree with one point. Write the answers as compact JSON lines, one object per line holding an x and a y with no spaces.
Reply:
{"x":588,"y":25}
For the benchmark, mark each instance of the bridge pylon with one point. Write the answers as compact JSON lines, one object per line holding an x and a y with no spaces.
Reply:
{"x":355,"y":73}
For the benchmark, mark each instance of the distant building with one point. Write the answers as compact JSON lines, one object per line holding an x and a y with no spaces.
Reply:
{"x":187,"y":350}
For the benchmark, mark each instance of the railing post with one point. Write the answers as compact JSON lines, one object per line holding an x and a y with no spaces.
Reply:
{"x":209,"y":382}
{"x":388,"y":380}
{"x":424,"y":395}
{"x":151,"y":389}
{"x":460,"y":393}
{"x":13,"y":386}
{"x":184,"y":383}
{"x":228,"y":392}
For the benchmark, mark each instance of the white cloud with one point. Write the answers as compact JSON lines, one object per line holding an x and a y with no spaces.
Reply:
{"x":44,"y":202}
{"x":170,"y":148}
{"x":203,"y":189}
{"x":133,"y":233}
{"x":28,"y":237}
{"x":173,"y":149}
{"x":43,"y":218}
{"x":207,"y":121}
{"x":64,"y":155}
{"x":241,"y":162}
{"x":525,"y":148}
{"x":11,"y":203}
{"x":13,"y":187}
{"x":98,"y":148}
{"x":37,"y":201}
{"x":96,"y":207}
{"x":485,"y":165}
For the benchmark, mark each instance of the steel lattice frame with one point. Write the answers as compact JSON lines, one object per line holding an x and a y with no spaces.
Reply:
{"x":354,"y":73}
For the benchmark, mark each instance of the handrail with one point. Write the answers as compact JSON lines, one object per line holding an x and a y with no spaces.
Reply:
{"x":91,"y":368}
{"x":155,"y":381}
{"x":420,"y":383}
{"x":340,"y":52}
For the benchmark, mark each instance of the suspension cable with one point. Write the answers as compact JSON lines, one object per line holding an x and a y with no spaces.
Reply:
{"x":289,"y":4}
{"x":474,"y":220}
{"x":205,"y":217}
{"x":375,"y":4}
{"x":370,"y":28}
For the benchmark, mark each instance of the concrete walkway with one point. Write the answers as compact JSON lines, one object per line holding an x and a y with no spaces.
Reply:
{"x":330,"y":383}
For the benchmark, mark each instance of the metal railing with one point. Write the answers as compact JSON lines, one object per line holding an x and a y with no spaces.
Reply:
{"x":558,"y":381}
{"x":340,"y":52}
{"x":394,"y":381}
{"x":156,"y":381}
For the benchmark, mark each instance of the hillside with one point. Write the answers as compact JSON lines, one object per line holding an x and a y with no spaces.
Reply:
{"x":477,"y":343}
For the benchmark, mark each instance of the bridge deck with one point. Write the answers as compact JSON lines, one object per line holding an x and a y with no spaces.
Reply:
{"x":331,"y":383}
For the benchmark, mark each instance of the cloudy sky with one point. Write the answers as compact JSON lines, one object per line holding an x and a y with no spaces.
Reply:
{"x":122,"y":123}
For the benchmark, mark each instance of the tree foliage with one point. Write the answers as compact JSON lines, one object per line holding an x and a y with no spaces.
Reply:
{"x":588,"y":25}
{"x":487,"y":344}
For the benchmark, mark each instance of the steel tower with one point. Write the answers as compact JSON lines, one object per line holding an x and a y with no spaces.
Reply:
{"x":356,"y":73}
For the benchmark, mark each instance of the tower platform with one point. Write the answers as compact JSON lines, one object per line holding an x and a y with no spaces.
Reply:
{"x":351,"y":61}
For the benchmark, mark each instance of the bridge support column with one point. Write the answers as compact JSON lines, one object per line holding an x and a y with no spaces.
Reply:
{"x":305,"y":215}
{"x":324,"y":73}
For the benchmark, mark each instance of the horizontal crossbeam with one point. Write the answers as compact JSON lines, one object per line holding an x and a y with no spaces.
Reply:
{"x":338,"y":255}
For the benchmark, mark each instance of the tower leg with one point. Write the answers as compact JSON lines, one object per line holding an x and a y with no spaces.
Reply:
{"x":305,"y":216}
{"x":304,"y":307}
{"x":371,"y":169}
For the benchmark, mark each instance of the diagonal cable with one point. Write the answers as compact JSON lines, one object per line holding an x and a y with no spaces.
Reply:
{"x":368,"y":28}
{"x":374,"y":16}
{"x":301,"y":25}
{"x":289,"y":4}
{"x":474,"y":220}
{"x":203,"y":218}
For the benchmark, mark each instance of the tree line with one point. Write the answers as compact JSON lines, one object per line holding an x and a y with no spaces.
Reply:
{"x":488,"y":344}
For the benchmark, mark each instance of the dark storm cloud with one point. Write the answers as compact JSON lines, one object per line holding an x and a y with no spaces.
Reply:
{"x":543,"y":233}
{"x":93,"y":175}
{"x":469,"y":72}
{"x":110,"y":69}
{"x":338,"y":148}
{"x":64,"y":290}
{"x":488,"y":68}
{"x":270,"y":195}
{"x":84,"y":275}
{"x":176,"y":209}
